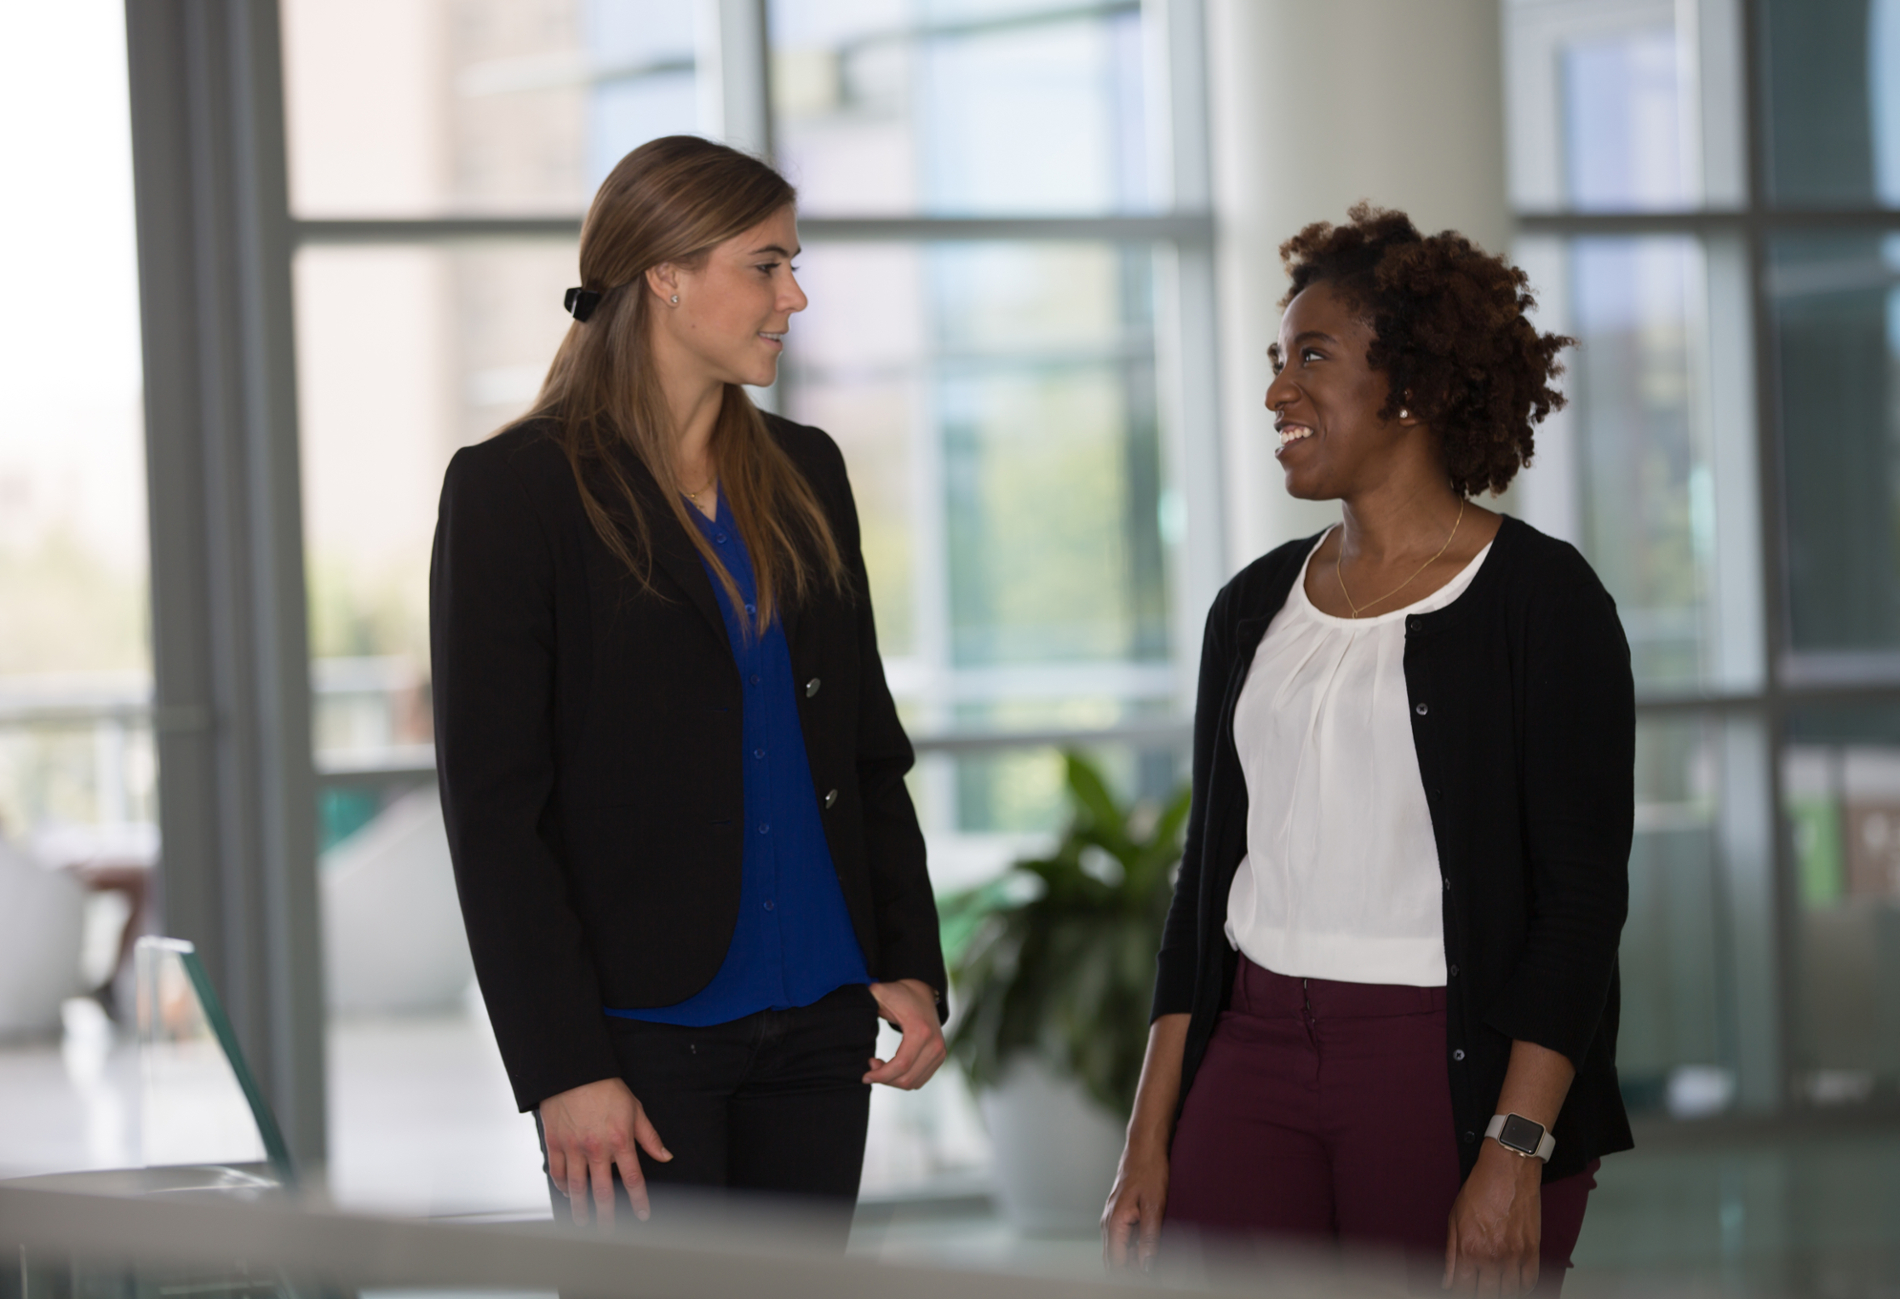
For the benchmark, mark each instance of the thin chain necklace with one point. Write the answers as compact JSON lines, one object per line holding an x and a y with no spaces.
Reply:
{"x":1341,"y":577}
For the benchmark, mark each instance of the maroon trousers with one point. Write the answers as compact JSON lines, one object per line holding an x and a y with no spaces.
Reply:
{"x":1322,"y":1111}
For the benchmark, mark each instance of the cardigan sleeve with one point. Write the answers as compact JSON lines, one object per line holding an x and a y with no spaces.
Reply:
{"x":491,"y":635}
{"x":1180,"y":940}
{"x":909,"y":939}
{"x":1578,"y":749}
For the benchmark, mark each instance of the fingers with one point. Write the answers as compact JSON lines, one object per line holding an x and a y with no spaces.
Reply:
{"x":628,"y":1162}
{"x":922,"y":1049}
{"x":1451,"y":1253}
{"x":601,"y":1170}
{"x":1150,"y":1237}
{"x":648,"y":1138}
{"x":1117,"y":1225}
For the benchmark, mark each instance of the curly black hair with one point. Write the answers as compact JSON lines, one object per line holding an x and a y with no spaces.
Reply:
{"x":1450,"y":329}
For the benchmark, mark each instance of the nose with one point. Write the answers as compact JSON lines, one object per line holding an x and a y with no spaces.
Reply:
{"x":796,"y":299}
{"x":1279,"y":392}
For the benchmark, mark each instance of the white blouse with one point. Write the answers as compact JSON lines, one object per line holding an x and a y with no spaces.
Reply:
{"x":1341,"y":876}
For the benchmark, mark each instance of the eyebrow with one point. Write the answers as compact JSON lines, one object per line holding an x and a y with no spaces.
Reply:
{"x":774,"y":248}
{"x":1305,"y":334}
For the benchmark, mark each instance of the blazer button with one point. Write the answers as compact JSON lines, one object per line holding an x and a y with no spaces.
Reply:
{"x":1459,"y":1054}
{"x":1421,"y":709}
{"x":1453,"y":971}
{"x":831,"y":796}
{"x":811,"y":687}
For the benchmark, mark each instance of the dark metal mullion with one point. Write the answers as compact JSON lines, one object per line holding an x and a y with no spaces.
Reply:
{"x":1706,"y":222}
{"x":1772,"y":529}
{"x":1183,"y":228}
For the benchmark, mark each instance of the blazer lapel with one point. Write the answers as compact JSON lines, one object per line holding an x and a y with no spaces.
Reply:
{"x":673,"y":551}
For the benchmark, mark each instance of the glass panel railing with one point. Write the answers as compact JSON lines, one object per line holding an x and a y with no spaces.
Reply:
{"x":200,"y":1103}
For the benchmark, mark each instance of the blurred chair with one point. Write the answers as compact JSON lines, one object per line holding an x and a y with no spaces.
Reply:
{"x":392,"y":927}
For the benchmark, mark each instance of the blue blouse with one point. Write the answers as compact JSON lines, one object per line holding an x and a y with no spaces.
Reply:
{"x":794,"y":942}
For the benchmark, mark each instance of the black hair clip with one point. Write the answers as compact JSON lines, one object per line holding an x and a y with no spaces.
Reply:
{"x":581,"y":303}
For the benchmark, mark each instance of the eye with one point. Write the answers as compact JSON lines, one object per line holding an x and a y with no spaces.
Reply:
{"x":1311,"y":354}
{"x":766,"y":268}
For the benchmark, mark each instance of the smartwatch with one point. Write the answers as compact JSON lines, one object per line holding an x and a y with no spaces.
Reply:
{"x":1520,"y":1136}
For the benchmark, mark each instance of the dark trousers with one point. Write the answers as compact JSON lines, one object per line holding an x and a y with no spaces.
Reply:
{"x":1322,"y":1111}
{"x":772,"y":1104}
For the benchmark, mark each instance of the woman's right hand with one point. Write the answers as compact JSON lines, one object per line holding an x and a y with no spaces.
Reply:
{"x":590,"y":1130}
{"x":1136,"y":1205}
{"x":1140,"y":1196}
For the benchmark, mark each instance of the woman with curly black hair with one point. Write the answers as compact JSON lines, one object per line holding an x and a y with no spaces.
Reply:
{"x":1386,"y":1006}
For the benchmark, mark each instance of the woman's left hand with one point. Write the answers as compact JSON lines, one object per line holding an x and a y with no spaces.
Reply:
{"x":912,"y":1007}
{"x":1497,"y":1224}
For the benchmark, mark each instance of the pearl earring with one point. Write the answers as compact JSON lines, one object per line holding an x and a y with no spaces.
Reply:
{"x":676,"y":299}
{"x":1403,"y":413}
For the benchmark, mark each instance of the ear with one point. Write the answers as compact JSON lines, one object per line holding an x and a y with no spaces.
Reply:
{"x":663,"y":281}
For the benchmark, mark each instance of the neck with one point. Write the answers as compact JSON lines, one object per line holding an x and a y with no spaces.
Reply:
{"x":1399,"y":517}
{"x":694,"y":404}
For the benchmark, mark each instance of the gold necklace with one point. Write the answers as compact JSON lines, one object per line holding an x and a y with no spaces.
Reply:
{"x":706,"y":486}
{"x":1341,"y":577}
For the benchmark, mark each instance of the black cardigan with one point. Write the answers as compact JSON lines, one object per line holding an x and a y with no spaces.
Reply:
{"x":1524,"y":723}
{"x":588,"y":745}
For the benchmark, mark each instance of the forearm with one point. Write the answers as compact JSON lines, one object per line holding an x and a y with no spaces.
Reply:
{"x":1536,"y":1083}
{"x":1159,"y":1091}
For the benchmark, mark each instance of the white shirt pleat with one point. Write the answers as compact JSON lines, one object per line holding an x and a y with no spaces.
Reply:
{"x":1341,"y":876}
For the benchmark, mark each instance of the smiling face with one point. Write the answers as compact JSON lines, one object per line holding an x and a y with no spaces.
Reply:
{"x":1326,"y":399}
{"x":734,"y":309}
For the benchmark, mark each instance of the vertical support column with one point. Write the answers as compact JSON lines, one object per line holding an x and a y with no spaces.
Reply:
{"x":1188,"y":348}
{"x":236,"y":786}
{"x":1315,"y":108}
{"x":733,"y":74}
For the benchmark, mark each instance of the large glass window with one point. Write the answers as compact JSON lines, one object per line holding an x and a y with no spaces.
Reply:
{"x":441,"y":107}
{"x":78,"y":771}
{"x":1833,"y":101}
{"x":998,"y":393}
{"x":902,"y":107}
{"x":1836,"y":301}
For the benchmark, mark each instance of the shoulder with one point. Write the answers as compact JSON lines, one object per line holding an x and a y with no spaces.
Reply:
{"x":1535,"y":563}
{"x":1259,"y":589}
{"x":811,"y":449}
{"x":526,"y":457}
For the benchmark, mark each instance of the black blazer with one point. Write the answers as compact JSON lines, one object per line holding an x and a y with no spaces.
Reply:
{"x":588,"y":745}
{"x":1524,"y":722}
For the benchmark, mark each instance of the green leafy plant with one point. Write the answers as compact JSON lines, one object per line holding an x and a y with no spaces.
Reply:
{"x":1057,"y":957}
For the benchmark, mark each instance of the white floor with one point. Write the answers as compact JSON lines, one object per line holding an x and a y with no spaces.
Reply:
{"x":422,"y":1121}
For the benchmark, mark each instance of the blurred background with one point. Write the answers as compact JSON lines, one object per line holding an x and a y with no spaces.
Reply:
{"x":1040,"y":245}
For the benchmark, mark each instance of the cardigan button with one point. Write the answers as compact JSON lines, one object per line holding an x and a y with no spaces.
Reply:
{"x":1459,"y":1054}
{"x":831,"y":796}
{"x":1420,"y":709}
{"x":1454,"y":971}
{"x":811,"y":687}
{"x":1470,"y":1137}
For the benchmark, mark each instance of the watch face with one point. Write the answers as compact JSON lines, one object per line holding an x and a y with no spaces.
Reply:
{"x":1521,"y":1134}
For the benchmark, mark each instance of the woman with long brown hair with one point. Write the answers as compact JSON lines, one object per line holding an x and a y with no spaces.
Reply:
{"x":672,"y":772}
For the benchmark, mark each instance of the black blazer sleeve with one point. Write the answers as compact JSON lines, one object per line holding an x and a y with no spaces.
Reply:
{"x":492,"y":634}
{"x":1578,"y":747}
{"x":909,"y":939}
{"x":1180,"y":939}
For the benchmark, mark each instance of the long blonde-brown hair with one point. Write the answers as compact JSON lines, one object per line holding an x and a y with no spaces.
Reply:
{"x":672,"y":200}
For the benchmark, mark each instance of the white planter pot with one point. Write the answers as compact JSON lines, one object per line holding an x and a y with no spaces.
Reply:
{"x":1056,"y":1150}
{"x":41,"y":917}
{"x":393,"y":941}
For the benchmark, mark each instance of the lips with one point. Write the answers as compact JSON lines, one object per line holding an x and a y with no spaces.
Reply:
{"x":1291,"y":433}
{"x":768,"y":336}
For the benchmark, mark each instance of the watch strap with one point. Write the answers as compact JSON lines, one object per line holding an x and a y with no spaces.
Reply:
{"x":1519,"y":1141}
